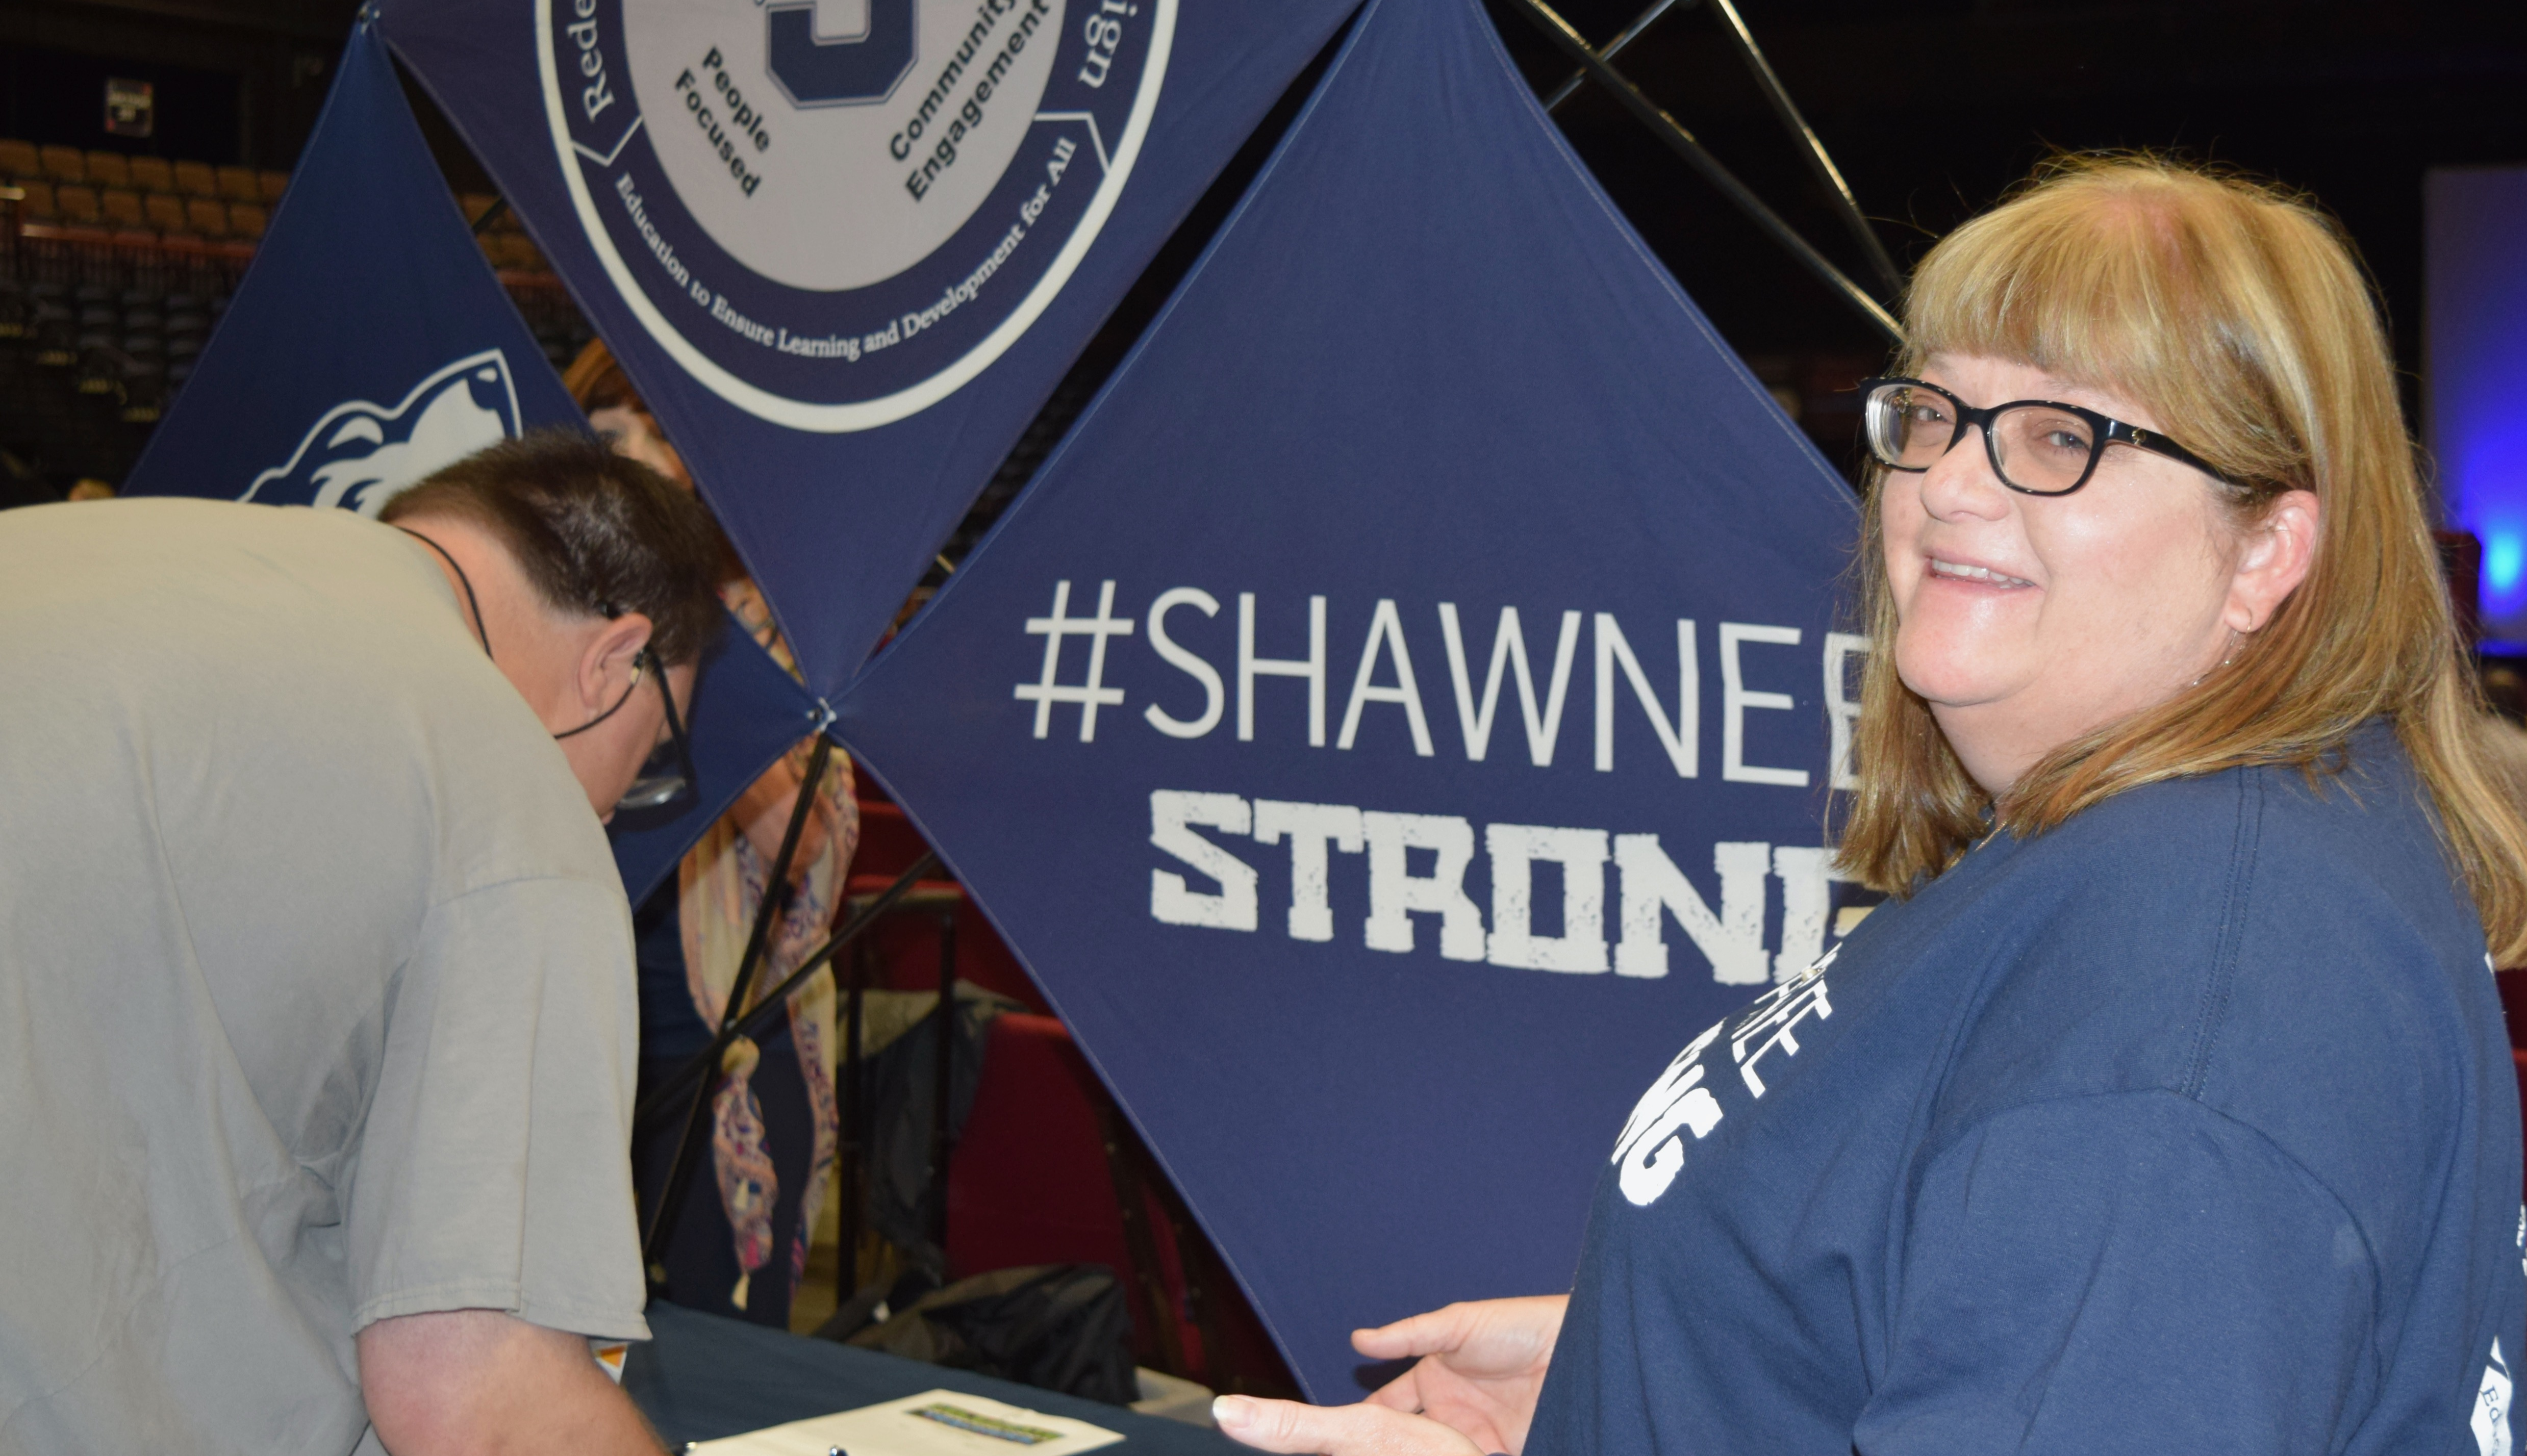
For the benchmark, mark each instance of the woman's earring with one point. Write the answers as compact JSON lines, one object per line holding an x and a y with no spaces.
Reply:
{"x":2226,"y":658}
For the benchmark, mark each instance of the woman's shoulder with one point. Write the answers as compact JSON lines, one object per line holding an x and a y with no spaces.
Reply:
{"x":2357,"y":822}
{"x":2335,"y":872}
{"x":2238,"y":938}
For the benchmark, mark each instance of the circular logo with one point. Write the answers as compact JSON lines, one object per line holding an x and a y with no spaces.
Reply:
{"x":835,"y":213}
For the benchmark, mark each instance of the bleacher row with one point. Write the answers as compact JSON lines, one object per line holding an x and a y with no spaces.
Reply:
{"x":150,"y":199}
{"x":140,"y":330}
{"x":112,"y":271}
{"x":139,"y":195}
{"x":505,"y":241}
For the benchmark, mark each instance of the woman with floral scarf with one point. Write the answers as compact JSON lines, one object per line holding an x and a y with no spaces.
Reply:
{"x":774,"y":1120}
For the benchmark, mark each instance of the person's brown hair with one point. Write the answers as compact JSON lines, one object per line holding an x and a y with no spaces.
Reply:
{"x":597,"y":383}
{"x":2237,"y":313}
{"x":594,"y":532}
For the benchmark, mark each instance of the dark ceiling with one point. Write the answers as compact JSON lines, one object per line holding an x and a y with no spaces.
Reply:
{"x":274,"y":59}
{"x":1932,"y":109}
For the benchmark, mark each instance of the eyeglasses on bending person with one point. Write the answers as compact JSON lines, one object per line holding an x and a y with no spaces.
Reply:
{"x":2037,"y":446}
{"x":667,"y":775}
{"x":663,"y":780}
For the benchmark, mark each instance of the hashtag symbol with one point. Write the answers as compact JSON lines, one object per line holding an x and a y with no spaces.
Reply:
{"x":1049,"y":690}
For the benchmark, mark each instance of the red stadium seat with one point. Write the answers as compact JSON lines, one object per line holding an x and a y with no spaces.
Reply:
{"x":1033,"y":1180}
{"x":2513,"y":985}
{"x":907,"y":946}
{"x":122,"y":207}
{"x":2520,"y":1056}
{"x":165,"y":213}
{"x":198,"y":180}
{"x":888,"y":841}
{"x":1028,"y":1182}
{"x":78,"y":204}
{"x":206,"y":217}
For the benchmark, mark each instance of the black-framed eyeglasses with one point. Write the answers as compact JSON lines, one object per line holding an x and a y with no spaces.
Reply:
{"x":2036,"y":447}
{"x":667,"y":775}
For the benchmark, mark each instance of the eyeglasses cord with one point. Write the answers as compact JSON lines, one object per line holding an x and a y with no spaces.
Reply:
{"x":475,"y":605}
{"x":463,"y":579}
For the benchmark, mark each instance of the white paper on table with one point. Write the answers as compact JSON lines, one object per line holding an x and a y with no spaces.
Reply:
{"x":935,"y":1422}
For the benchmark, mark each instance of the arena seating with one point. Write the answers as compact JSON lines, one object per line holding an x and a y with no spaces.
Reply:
{"x":139,"y":199}
{"x":113,"y":270}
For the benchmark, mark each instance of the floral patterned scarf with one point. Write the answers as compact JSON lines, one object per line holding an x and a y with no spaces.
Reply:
{"x":719,"y":886}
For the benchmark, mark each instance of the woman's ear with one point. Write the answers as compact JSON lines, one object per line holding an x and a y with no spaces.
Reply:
{"x":605,"y":663}
{"x":2273,"y":557}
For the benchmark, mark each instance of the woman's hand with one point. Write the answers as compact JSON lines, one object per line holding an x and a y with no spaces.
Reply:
{"x":1483,"y":1363}
{"x":1473,"y":1390}
{"x":1363,"y":1430}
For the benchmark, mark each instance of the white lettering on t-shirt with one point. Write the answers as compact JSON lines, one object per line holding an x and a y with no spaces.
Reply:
{"x":1650,"y":1153}
{"x":1806,"y":997}
{"x":1657,"y":1156}
{"x":2491,"y":1407}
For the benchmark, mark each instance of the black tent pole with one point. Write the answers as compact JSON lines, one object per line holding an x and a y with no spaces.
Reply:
{"x":702,"y":1063}
{"x":1828,"y":175}
{"x":943,"y":1084}
{"x":1614,"y":48}
{"x":776,"y":885}
{"x":847,"y":1278}
{"x":1682,"y":142}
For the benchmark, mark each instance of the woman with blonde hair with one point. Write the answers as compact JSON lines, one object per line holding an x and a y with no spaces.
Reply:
{"x":2168,"y":1107}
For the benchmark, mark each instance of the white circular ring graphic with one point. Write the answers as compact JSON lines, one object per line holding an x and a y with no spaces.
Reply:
{"x":844,"y":419}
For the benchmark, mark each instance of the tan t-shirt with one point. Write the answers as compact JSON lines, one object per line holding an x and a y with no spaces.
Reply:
{"x":315,"y":987}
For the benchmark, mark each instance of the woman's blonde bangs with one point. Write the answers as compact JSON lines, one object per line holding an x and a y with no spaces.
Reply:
{"x":2162,"y":284}
{"x":2044,"y":286}
{"x":2236,"y":314}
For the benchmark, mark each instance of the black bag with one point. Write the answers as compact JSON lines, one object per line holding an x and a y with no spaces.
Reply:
{"x":1055,"y":1326}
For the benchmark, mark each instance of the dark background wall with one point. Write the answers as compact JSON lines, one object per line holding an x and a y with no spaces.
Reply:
{"x":239,"y":81}
{"x":1934,"y":108}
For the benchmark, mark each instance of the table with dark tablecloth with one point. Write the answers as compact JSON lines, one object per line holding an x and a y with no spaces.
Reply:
{"x":701,"y":1376}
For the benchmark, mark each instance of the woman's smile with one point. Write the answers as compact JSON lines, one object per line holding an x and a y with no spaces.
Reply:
{"x":1969,"y":574}
{"x":2026,"y":621}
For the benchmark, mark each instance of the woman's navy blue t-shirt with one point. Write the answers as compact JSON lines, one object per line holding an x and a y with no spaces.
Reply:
{"x":2189,"y":1126}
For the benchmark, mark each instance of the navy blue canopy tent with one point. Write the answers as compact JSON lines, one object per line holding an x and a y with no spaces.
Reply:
{"x":1403,"y":712}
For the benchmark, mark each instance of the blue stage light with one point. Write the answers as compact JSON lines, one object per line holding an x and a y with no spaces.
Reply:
{"x":2504,"y":554}
{"x":2477,"y":227}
